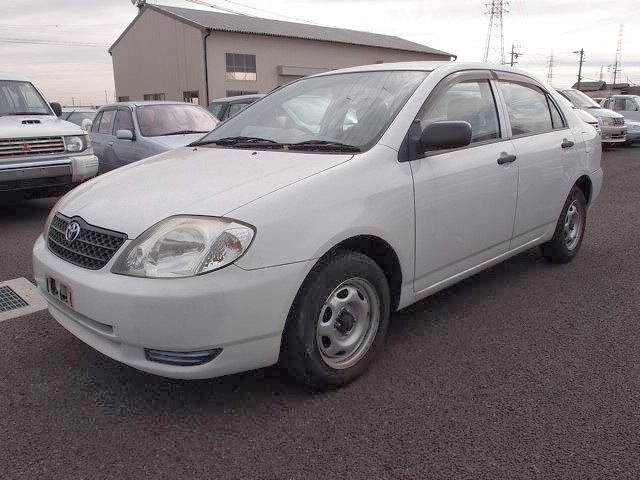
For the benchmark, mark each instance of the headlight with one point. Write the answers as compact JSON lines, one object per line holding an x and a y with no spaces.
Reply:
{"x":76,"y":143}
{"x":605,"y":121}
{"x":185,"y":246}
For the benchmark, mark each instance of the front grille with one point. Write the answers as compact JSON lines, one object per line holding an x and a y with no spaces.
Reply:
{"x":28,"y":183}
{"x":20,"y":147}
{"x":93,"y":247}
{"x":181,"y":359}
{"x":618,"y":121}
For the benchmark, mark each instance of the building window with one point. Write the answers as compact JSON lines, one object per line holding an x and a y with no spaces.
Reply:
{"x":154,"y":96}
{"x":241,"y":67}
{"x":235,"y":93}
{"x":124,"y":98}
{"x":192,"y":96}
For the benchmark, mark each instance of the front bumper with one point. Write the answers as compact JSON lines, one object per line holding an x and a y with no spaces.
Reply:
{"x":44,"y":173}
{"x":239,"y":311}
{"x":614,"y":134}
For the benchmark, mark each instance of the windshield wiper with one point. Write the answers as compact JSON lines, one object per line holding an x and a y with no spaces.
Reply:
{"x":241,"y":142}
{"x":185,"y":132}
{"x":326,"y":145}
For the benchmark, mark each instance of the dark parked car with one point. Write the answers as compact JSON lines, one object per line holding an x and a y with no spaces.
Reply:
{"x":223,"y":108}
{"x":78,"y":115}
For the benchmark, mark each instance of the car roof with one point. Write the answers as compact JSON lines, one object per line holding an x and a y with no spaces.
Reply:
{"x":253,"y":96}
{"x":143,"y":103}
{"x":427,"y":67}
{"x":13,"y":76}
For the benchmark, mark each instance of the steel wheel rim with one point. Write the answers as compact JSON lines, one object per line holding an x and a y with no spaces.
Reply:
{"x":573,"y":222}
{"x":348,"y":323}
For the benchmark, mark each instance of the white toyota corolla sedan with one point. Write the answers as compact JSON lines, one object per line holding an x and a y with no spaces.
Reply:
{"x":296,"y":228}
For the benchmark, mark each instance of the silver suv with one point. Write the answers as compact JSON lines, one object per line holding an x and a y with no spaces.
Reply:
{"x":612,"y":124}
{"x":40,"y":154}
{"x":629,"y":106}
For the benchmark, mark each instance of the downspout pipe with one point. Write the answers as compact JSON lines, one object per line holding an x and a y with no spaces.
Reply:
{"x":206,"y":68}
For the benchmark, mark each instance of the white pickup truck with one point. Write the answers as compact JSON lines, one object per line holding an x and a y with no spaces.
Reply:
{"x":40,"y":155}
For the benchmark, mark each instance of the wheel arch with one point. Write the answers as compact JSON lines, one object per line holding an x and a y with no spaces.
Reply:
{"x":586,"y":186}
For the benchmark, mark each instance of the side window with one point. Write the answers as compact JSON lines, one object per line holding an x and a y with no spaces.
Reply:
{"x":472,"y":102}
{"x":236,"y":108}
{"x":105,"y":122}
{"x":216,"y":109}
{"x":528,"y":108}
{"x":123,"y":121}
{"x":96,"y":123}
{"x":556,"y":117}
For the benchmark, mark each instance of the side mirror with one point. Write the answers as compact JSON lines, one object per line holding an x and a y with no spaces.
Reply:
{"x":445,"y":135}
{"x":57,"y":109}
{"x":124,"y":135}
{"x":86,"y":124}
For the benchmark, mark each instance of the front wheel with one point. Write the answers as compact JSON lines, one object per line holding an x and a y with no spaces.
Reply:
{"x":567,"y":238}
{"x":338,"y":321}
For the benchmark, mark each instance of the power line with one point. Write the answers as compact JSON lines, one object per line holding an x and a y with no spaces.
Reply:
{"x":34,"y":41}
{"x":271,"y":13}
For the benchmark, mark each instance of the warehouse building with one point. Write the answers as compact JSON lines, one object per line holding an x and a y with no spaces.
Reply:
{"x":171,"y":53}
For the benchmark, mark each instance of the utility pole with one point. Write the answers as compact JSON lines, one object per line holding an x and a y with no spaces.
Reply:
{"x":550,"y":71}
{"x":581,"y":53}
{"x":495,"y":10}
{"x":514,"y":55}
{"x":600,"y":77}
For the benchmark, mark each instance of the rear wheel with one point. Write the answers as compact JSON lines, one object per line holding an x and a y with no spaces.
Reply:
{"x":569,"y":232}
{"x":338,"y":321}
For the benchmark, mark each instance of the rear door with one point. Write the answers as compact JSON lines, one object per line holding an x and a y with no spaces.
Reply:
{"x":465,"y":198}
{"x":545,"y":148}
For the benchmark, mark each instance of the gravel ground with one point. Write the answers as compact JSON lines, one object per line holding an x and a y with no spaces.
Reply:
{"x":527,"y":370}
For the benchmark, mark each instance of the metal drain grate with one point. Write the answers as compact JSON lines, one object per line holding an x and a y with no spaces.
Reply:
{"x":10,"y":300}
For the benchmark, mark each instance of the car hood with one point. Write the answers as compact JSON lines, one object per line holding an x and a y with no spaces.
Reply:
{"x":585,"y":116}
{"x":188,"y":180}
{"x":29,"y":126}
{"x":602,"y":113}
{"x":168,"y":142}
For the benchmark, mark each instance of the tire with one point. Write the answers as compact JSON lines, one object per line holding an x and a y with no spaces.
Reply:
{"x":567,"y":238}
{"x":329,"y":339}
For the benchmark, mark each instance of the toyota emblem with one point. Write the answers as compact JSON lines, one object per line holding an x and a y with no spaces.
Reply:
{"x":72,"y":232}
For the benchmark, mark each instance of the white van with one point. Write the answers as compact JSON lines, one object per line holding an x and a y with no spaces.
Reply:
{"x":40,"y":154}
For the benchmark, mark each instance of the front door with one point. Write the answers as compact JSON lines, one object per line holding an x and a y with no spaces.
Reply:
{"x":123,"y":151}
{"x":465,"y":199}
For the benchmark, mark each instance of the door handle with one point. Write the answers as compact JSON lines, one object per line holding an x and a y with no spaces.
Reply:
{"x":111,"y":144}
{"x":566,"y":143}
{"x":506,"y":159}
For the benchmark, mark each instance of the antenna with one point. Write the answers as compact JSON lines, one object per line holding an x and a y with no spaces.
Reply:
{"x":550,"y":70}
{"x":496,"y":9}
{"x":138,"y":3}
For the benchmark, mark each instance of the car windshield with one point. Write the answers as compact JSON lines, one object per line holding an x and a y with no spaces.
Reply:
{"x":347,"y":111}
{"x":78,"y":117}
{"x":173,"y":119}
{"x":21,"y":98}
{"x":579,"y":99}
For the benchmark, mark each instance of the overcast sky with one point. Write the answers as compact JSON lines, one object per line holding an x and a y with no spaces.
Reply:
{"x":537,"y":27}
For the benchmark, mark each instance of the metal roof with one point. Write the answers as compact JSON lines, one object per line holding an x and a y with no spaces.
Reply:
{"x":590,"y":86}
{"x":225,"y":22}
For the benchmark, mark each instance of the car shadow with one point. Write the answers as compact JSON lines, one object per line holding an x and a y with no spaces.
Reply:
{"x":249,"y":390}
{"x":19,"y":211}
